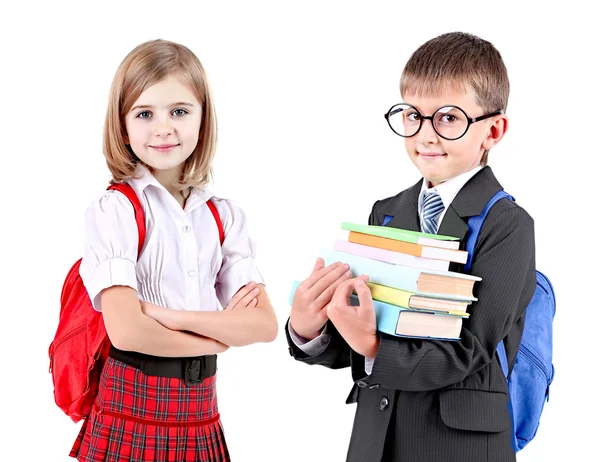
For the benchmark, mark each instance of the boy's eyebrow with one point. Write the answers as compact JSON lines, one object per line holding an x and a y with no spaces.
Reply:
{"x":146,"y":106}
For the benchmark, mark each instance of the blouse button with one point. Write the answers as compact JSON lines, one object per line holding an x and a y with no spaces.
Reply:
{"x":186,"y":229}
{"x":191,"y":273}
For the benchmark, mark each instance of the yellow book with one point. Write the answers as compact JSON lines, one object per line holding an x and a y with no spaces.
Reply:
{"x":414,"y":301}
{"x":390,"y":295}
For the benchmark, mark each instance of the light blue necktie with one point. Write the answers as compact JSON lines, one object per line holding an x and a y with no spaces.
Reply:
{"x":432,"y":208}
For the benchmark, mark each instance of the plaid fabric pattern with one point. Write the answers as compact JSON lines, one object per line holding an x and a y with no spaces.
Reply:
{"x":140,"y":418}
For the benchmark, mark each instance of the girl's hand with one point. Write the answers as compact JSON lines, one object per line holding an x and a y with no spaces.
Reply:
{"x":246,"y":297}
{"x":167,"y":317}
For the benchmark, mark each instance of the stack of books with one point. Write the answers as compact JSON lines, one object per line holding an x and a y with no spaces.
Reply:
{"x":414,"y":293}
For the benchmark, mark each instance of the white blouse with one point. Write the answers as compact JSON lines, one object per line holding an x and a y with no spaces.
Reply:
{"x":182,"y":265}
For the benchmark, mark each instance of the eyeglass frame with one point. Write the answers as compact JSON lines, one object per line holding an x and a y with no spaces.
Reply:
{"x":470,"y":120}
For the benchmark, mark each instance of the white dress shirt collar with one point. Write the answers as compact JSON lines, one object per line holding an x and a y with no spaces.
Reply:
{"x":447,"y":190}
{"x":143,"y":178}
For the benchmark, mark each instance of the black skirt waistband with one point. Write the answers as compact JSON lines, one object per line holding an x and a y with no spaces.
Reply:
{"x":193,"y":370}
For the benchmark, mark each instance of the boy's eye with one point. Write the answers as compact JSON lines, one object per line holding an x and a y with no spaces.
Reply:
{"x":179,"y":112}
{"x":144,"y":115}
{"x":447,"y":118}
{"x":412,"y":116}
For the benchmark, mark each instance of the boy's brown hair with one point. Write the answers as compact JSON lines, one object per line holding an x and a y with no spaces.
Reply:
{"x":458,"y":60}
{"x":146,"y":65}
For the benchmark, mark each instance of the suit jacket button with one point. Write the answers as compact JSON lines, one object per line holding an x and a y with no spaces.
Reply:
{"x":383,"y":404}
{"x":361,"y":383}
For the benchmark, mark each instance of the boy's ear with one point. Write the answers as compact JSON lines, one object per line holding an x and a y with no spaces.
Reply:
{"x":496,"y":132}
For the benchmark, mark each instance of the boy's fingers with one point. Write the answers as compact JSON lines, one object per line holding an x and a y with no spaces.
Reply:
{"x":364,"y":295}
{"x":343,"y":292}
{"x":319,"y":264}
{"x":327,"y":294}
{"x":317,"y":275}
{"x":337,"y":270}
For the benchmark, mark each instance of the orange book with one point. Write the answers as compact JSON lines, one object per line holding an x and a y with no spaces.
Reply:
{"x":418,"y":250}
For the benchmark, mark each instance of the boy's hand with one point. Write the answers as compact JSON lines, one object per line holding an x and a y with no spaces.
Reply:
{"x":357,"y":324}
{"x":245,"y":297}
{"x":309,"y":313}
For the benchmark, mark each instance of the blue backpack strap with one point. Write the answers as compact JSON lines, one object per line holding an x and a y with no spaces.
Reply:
{"x":502,"y":357}
{"x":475,"y":224}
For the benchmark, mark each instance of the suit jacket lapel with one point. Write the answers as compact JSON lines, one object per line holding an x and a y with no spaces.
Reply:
{"x":453,"y":224}
{"x":404,"y":209}
{"x":470,"y":201}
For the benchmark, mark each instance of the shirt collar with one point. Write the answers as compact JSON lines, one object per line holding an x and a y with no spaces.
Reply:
{"x":449,"y":188}
{"x":144,"y":178}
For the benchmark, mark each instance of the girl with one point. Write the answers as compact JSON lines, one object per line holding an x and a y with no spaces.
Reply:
{"x":157,"y":394}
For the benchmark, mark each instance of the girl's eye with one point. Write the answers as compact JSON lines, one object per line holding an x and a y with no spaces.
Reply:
{"x":179,"y":112}
{"x":144,"y":115}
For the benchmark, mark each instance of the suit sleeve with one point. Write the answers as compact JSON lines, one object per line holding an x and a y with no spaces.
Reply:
{"x":505,"y":260}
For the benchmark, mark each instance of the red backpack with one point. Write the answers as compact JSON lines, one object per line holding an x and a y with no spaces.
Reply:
{"x":81,"y":344}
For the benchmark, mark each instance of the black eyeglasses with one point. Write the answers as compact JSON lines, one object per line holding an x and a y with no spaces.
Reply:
{"x":450,"y":122}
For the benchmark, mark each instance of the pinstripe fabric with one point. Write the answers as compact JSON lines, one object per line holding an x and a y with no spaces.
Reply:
{"x":139,"y":418}
{"x":432,"y":401}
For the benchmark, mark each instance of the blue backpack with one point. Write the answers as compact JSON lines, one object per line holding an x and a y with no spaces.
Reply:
{"x":533,"y":372}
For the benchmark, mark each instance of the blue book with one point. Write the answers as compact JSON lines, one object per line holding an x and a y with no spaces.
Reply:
{"x":404,"y":322}
{"x":444,"y":284}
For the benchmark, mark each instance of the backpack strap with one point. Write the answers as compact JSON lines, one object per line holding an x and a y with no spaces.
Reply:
{"x":137,"y":209}
{"x":217,"y":218}
{"x":475,"y":223}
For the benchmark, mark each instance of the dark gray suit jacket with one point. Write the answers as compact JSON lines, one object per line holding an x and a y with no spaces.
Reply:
{"x":434,"y":401}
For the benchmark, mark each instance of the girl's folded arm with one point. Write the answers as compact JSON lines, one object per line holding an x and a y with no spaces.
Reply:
{"x":130,"y":330}
{"x":238,"y":326}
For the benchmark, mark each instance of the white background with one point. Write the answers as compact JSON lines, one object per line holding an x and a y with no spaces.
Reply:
{"x":300,"y":91}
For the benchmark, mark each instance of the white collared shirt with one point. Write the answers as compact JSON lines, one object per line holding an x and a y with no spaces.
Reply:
{"x":447,"y":190}
{"x":182,"y":265}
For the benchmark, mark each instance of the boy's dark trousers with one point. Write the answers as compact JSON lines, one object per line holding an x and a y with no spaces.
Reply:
{"x":433,"y":401}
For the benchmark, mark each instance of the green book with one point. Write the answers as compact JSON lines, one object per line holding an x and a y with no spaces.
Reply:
{"x":405,"y":235}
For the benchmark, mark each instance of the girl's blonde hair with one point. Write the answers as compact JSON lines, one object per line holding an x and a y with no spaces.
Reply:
{"x":146,"y":65}
{"x":458,"y":60}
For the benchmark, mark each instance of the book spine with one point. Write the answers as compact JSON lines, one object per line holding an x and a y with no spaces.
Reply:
{"x":385,"y":243}
{"x":386,"y":274}
{"x":389,"y":256}
{"x":381,"y":231}
{"x":387,"y":318}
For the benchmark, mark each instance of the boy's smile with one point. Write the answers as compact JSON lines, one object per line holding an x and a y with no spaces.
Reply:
{"x":439,"y":159}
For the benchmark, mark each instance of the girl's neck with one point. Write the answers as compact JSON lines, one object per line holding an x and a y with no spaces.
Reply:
{"x":169,"y":179}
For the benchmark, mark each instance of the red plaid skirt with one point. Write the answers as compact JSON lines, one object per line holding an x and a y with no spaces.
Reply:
{"x":140,"y":418}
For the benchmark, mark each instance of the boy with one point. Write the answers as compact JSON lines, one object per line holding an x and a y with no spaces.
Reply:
{"x":418,"y":400}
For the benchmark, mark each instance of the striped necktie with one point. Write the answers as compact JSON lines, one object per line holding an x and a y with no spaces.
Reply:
{"x":432,"y":208}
